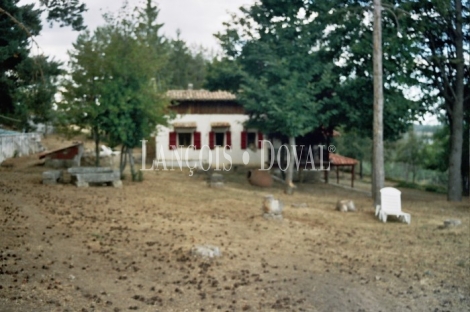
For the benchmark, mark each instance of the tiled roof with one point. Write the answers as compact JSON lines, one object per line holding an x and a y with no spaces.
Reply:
{"x":339,"y":160}
{"x":201,"y":95}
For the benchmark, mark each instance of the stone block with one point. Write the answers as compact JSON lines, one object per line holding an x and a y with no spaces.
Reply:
{"x":117,"y":183}
{"x":76,"y":170}
{"x":216,"y":184}
{"x":82,"y":176}
{"x":270,"y":216}
{"x":206,"y":251}
{"x":345,"y":205}
{"x":272,"y":206}
{"x":81,"y":184}
{"x":217,"y":177}
{"x":452,"y":222}
{"x":51,"y":176}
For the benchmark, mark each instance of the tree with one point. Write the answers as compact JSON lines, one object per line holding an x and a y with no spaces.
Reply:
{"x":18,"y":25}
{"x":441,"y":30}
{"x":223,"y":74}
{"x":36,"y":81}
{"x":410,"y":151}
{"x":302,"y":65}
{"x":184,"y":65}
{"x":283,"y":85}
{"x":112,"y":87}
{"x":80,"y":105}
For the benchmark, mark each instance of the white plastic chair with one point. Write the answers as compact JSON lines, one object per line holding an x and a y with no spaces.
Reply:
{"x":390,"y":204}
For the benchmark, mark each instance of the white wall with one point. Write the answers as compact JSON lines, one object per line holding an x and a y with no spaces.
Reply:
{"x":204,"y":154}
{"x":21,"y":144}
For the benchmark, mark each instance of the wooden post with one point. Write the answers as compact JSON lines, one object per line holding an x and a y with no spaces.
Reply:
{"x":337,"y":174}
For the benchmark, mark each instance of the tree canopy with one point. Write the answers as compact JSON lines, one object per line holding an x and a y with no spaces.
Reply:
{"x":27,"y":83}
{"x":440,"y":31}
{"x":299,"y":65}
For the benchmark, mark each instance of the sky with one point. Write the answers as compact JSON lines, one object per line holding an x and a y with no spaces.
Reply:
{"x":198,"y":20}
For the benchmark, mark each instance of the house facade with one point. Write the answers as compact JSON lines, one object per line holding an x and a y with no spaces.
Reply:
{"x":208,"y":131}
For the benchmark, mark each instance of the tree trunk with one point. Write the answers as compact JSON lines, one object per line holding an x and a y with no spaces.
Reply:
{"x":290,"y":169}
{"x":96,"y":135}
{"x":454,"y":189}
{"x":122,"y":161}
{"x":378,"y":175}
{"x":466,"y":159}
{"x":131,"y":163}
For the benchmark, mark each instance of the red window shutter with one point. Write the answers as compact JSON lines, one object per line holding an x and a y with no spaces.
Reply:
{"x":197,"y":140}
{"x":228,"y":138}
{"x":211,"y":140}
{"x":260,"y":138}
{"x":172,"y":140}
{"x":243,"y":139}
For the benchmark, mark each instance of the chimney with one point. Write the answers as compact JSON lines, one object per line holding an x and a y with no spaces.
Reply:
{"x":190,"y":86}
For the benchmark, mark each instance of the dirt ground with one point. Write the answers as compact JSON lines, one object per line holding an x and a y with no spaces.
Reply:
{"x":101,"y":248}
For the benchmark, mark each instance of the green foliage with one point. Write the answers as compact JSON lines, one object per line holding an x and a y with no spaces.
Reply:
{"x":441,"y":33}
{"x":281,"y":86}
{"x":185,"y":66}
{"x":354,"y":145}
{"x":36,"y":87}
{"x":27,"y":84}
{"x":65,"y":12}
{"x":410,"y":150}
{"x":112,"y":87}
{"x":297,"y":65}
{"x":223,"y":74}
{"x":14,"y":49}
{"x":436,"y":154}
{"x":431,"y":24}
{"x":422,"y":187}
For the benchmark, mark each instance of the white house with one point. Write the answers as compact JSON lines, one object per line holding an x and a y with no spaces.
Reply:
{"x":208,"y":130}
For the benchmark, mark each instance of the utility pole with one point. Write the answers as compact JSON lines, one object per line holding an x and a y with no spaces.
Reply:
{"x":378,"y":173}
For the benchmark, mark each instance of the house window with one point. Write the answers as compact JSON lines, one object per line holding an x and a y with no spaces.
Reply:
{"x":219,"y":138}
{"x":184,"y":139}
{"x":251,"y":140}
